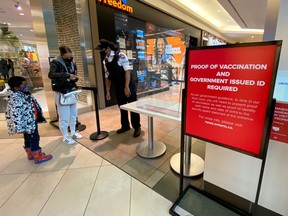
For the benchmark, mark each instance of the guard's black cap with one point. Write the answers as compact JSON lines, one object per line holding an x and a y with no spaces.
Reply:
{"x":103,"y":43}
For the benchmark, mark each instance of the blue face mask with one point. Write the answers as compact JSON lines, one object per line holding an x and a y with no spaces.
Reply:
{"x":25,"y":88}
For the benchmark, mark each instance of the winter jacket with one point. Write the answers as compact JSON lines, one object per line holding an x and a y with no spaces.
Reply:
{"x":20,"y":114}
{"x":59,"y":74}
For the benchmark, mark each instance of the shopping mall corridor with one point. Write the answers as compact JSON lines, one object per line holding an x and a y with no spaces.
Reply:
{"x":104,"y":177}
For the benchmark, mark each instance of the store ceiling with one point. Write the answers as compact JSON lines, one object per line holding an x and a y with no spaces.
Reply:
{"x":243,"y":14}
{"x":239,"y":20}
{"x":248,"y":14}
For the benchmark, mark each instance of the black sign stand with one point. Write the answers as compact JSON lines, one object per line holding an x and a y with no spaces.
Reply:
{"x":99,"y":135}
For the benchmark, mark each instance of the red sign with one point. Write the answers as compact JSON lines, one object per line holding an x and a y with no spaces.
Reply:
{"x":279,"y":130}
{"x":228,"y":89}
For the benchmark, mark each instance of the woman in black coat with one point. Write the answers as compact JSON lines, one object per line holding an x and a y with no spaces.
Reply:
{"x":63,"y":75}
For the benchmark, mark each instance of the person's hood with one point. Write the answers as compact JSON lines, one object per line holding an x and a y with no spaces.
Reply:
{"x":60,"y":59}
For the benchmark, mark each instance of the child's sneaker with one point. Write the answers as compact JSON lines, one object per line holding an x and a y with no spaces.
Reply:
{"x":77,"y":136}
{"x":68,"y":140}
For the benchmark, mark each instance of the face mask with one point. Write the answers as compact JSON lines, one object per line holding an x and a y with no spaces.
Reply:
{"x":25,"y":89}
{"x":68,"y":60}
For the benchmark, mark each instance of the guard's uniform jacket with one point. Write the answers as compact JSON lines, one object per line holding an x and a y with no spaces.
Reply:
{"x":115,"y":66}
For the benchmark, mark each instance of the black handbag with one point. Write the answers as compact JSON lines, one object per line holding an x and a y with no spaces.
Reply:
{"x":64,"y":86}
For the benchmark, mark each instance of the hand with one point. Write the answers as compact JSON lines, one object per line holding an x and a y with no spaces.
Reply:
{"x":108,"y":97}
{"x":73,"y":77}
{"x":127,"y":91}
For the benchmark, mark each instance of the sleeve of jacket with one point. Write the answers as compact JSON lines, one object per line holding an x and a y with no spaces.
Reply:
{"x":55,"y":71}
{"x":41,"y":118}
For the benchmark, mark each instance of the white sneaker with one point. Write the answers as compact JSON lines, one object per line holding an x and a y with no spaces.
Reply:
{"x":68,"y":140}
{"x":76,"y":136}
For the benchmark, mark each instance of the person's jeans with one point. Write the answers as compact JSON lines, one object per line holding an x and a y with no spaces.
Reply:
{"x":32,"y":140}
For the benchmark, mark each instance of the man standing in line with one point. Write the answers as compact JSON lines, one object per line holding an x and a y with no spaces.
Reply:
{"x":117,"y":71}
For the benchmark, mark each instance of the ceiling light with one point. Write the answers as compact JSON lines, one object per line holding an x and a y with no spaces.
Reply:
{"x":22,"y":14}
{"x":17,"y":6}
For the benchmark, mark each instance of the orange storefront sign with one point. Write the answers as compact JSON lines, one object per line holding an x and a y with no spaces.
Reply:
{"x":117,"y":4}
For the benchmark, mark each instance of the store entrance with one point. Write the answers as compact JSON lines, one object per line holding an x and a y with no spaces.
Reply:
{"x":18,"y":52}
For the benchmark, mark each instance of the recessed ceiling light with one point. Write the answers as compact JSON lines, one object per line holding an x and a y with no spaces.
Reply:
{"x":31,"y":30}
{"x":21,"y":14}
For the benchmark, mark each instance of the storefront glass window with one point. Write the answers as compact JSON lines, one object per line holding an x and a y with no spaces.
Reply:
{"x":156,"y":54}
{"x":18,"y":58}
{"x":212,"y":40}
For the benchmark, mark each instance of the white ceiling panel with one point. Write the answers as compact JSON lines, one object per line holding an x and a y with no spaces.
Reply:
{"x":247,"y":13}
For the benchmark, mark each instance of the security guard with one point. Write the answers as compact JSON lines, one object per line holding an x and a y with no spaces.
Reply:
{"x":117,"y":71}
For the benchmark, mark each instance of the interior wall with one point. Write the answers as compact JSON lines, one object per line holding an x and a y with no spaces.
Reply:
{"x":97,"y":73}
{"x":235,"y":172}
{"x":67,"y":30}
{"x":274,"y":187}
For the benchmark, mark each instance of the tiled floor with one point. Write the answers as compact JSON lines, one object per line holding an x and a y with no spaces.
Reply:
{"x":75,"y":182}
{"x":79,"y":182}
{"x":120,"y":150}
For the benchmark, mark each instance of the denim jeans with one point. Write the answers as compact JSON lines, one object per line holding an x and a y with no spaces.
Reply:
{"x":32,"y":140}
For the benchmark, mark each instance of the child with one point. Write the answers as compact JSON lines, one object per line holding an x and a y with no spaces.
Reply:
{"x":22,"y":114}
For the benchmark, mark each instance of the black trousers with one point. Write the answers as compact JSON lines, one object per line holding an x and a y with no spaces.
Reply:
{"x":121,"y":100}
{"x":170,"y":75}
